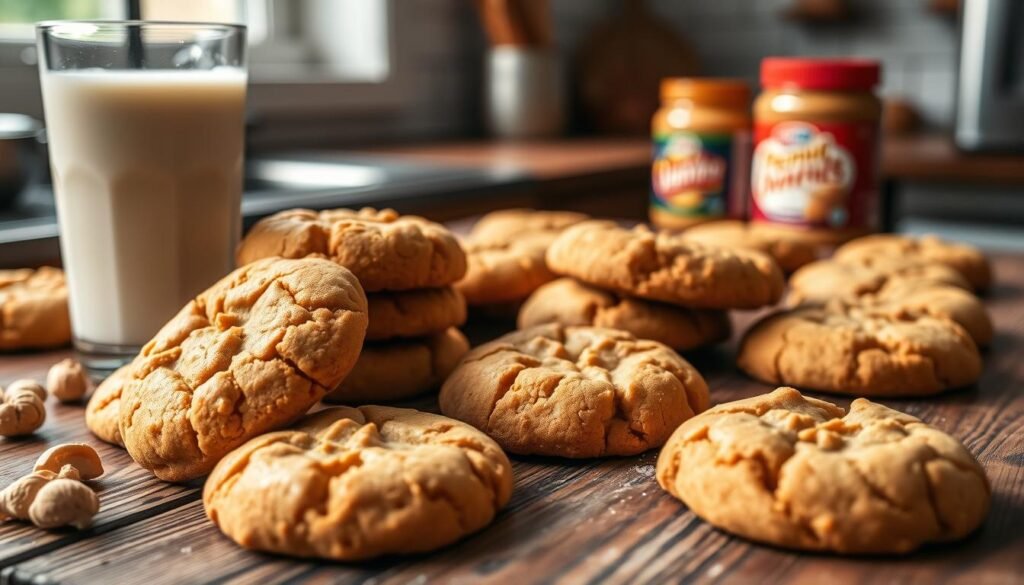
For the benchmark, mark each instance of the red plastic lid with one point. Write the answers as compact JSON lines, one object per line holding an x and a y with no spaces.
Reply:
{"x":835,"y":74}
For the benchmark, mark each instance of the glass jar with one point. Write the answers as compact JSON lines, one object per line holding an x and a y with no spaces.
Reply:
{"x":701,"y":140}
{"x":816,"y":146}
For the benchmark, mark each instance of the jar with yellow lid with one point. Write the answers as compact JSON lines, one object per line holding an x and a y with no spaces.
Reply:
{"x":701,"y":152}
{"x":816,"y":140}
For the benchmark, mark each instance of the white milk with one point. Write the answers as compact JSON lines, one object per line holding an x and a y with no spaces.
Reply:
{"x":147,"y":169}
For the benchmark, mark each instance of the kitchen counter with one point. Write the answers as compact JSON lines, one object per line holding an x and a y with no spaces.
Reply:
{"x":916,"y":157}
{"x":601,"y":176}
{"x":589,"y":521}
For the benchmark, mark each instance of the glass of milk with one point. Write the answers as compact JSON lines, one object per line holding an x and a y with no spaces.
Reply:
{"x":145,"y":123}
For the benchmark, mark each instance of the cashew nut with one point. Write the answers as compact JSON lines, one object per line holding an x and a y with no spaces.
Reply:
{"x":67,"y":381}
{"x":22,"y":409}
{"x":16,"y":498}
{"x":82,"y":457}
{"x":64,"y":502}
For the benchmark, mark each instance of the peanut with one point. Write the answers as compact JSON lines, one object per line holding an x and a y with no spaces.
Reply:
{"x":64,"y":502}
{"x":67,"y":381}
{"x":16,"y":498}
{"x":22,"y":410}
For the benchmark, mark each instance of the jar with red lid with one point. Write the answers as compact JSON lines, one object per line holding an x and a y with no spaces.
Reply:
{"x":816,"y":148}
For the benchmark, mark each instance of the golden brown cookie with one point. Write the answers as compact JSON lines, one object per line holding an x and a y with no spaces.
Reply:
{"x":250,"y":354}
{"x":394,"y":370}
{"x":944,"y":302}
{"x":570,"y":302}
{"x":664,"y":267}
{"x":574,"y":392}
{"x":967,"y":260}
{"x":824,"y":280}
{"x":33,"y":309}
{"x":385,"y":250}
{"x":788,"y":250}
{"x":897,"y":287}
{"x":103,"y":412}
{"x":506,"y":225}
{"x":853,"y":349}
{"x":414,"y":313}
{"x":506,"y":252}
{"x":795,"y":472}
{"x":350,"y":484}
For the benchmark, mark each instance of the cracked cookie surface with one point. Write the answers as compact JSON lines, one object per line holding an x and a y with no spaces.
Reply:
{"x":789,"y":251}
{"x":969,"y":261}
{"x":574,"y":392}
{"x":250,"y":354}
{"x":896,"y":287}
{"x":33,"y":309}
{"x":385,"y":250}
{"x":793,"y":471}
{"x":861,"y":350}
{"x":505,"y":253}
{"x":102,"y":413}
{"x":824,"y":280}
{"x":663,"y":266}
{"x":569,"y":302}
{"x":351,"y":484}
{"x":414,"y":313}
{"x":394,"y":370}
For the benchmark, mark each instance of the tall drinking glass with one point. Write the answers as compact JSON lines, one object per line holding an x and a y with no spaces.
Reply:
{"x":145,"y":123}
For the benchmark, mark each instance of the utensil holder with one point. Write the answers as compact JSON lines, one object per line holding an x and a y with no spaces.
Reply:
{"x":525,"y":93}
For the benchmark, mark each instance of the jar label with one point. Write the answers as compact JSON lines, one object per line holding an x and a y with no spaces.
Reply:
{"x":695,"y":174}
{"x":815,"y":175}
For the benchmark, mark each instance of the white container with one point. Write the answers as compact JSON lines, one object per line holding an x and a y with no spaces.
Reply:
{"x":525,"y":95}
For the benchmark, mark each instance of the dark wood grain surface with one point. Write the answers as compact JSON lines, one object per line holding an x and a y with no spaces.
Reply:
{"x":568,"y":522}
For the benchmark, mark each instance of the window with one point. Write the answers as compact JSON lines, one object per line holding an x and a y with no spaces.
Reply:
{"x":304,"y":55}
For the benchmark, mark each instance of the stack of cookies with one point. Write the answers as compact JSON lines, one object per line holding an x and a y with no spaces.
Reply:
{"x":886,"y":316}
{"x":505,"y":252}
{"x":656,"y":286}
{"x":407,"y":266}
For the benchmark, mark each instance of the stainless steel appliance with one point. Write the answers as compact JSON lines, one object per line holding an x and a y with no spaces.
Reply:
{"x":990,"y":93}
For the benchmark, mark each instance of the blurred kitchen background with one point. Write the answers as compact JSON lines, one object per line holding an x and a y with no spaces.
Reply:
{"x":393,"y":95}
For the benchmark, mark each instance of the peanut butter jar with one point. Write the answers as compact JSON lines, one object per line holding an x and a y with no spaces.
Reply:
{"x":701,"y":162}
{"x":816,"y":148}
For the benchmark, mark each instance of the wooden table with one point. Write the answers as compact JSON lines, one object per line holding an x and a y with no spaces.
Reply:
{"x":592,"y":521}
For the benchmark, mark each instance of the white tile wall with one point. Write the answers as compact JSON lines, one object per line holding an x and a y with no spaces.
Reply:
{"x":917,"y":47}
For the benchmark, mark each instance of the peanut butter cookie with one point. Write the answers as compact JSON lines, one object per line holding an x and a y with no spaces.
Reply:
{"x":33,"y":309}
{"x":402,"y":368}
{"x":506,"y":252}
{"x":860,"y":350}
{"x":569,"y":302}
{"x":943,"y":302}
{"x":103,"y":412}
{"x":824,"y":280}
{"x":665,"y":267}
{"x":499,"y":227}
{"x":385,"y":250}
{"x":250,"y":354}
{"x":574,"y":392}
{"x":967,"y":260}
{"x":414,"y":313}
{"x":795,"y":472}
{"x":788,"y":250}
{"x":350,"y":484}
